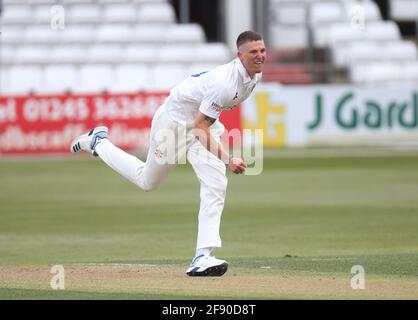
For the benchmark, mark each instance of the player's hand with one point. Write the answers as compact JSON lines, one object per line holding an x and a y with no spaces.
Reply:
{"x":237,"y":165}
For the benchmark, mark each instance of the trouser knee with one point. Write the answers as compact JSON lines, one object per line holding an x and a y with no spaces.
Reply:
{"x":147,"y":187}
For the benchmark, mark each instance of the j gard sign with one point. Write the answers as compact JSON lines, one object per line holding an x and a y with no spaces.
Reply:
{"x":303,"y":115}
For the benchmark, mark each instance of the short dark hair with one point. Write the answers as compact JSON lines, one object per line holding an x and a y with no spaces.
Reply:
{"x":248,"y":36}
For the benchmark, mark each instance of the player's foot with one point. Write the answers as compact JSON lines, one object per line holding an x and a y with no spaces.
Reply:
{"x":207,"y":266}
{"x":88,"y":141}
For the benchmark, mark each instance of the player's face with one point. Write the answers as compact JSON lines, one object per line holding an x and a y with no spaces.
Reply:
{"x":252,"y":55}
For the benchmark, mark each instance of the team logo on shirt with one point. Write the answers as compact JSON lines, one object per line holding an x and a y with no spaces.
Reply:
{"x":158,"y":153}
{"x":216,"y":106}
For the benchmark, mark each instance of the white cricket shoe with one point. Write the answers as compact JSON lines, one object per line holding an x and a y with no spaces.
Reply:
{"x":88,"y":141}
{"x":207,"y":266}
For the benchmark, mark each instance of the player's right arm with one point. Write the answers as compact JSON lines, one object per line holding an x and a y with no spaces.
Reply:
{"x":201,"y":130}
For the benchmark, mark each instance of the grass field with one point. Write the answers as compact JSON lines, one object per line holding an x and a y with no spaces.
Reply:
{"x":293,"y":232}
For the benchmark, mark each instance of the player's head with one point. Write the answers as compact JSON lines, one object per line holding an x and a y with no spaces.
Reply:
{"x":251,"y":51}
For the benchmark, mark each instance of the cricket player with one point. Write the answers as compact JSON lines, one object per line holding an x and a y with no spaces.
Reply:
{"x":190,"y":115}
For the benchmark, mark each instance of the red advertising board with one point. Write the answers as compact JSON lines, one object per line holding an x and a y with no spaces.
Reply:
{"x":48,"y":124}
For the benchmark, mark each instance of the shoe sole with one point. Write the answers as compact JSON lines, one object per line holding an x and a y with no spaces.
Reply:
{"x":215,"y":271}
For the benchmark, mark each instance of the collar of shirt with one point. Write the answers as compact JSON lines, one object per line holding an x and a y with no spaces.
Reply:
{"x":245,"y":76}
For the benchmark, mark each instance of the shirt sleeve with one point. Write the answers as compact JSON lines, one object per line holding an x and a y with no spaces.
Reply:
{"x":214,"y":99}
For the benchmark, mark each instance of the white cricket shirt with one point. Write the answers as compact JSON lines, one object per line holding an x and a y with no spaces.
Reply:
{"x":210,"y":92}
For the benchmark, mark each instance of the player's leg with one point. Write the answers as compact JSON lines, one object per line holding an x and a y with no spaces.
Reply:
{"x":211,"y":173}
{"x":147,"y":175}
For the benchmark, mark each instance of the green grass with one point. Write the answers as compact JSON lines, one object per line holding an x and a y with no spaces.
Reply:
{"x":327,"y":213}
{"x":32,"y":294}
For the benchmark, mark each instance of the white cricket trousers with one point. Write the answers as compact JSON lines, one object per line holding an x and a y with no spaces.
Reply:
{"x":163,"y":155}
